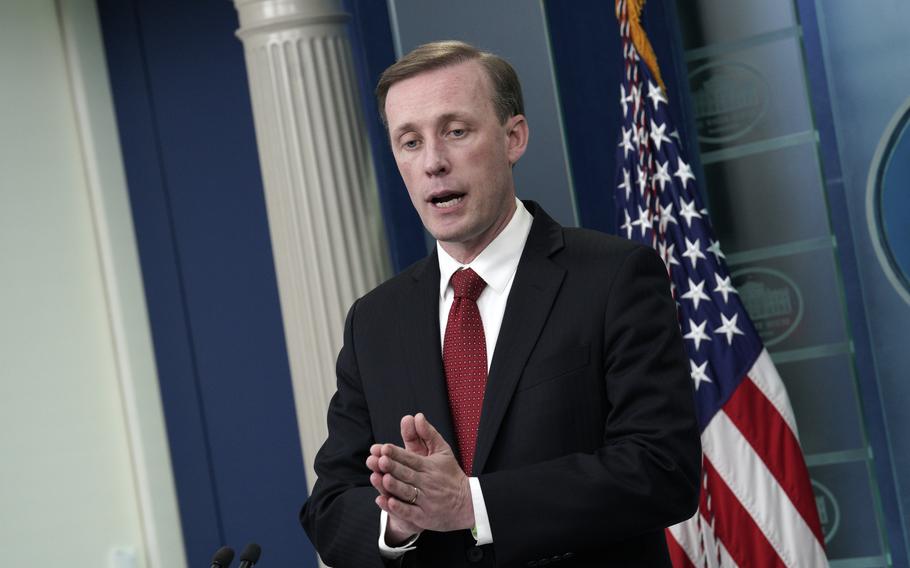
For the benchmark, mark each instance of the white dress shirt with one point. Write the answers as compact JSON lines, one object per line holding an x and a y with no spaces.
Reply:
{"x":496,"y":264}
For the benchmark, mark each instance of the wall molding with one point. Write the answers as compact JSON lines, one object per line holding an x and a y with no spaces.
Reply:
{"x":124,"y":294}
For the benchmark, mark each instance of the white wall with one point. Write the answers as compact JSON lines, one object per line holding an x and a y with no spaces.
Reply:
{"x":85,"y":476}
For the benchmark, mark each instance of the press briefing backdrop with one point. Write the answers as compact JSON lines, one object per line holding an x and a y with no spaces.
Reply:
{"x":773,"y":100}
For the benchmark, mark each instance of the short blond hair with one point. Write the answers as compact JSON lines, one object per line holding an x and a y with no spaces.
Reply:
{"x":507,"y":99}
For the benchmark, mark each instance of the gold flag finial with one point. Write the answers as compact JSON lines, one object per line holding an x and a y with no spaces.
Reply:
{"x":639,"y":37}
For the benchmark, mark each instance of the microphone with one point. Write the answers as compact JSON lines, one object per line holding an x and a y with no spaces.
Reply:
{"x":250,"y":555}
{"x":223,"y":557}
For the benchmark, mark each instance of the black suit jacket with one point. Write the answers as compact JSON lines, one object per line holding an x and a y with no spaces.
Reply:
{"x":587,"y":446}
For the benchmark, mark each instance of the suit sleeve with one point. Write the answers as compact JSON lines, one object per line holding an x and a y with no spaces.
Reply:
{"x":341,"y":517}
{"x":645,"y":476}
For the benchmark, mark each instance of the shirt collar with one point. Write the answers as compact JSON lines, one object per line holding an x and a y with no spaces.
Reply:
{"x":497,"y":263}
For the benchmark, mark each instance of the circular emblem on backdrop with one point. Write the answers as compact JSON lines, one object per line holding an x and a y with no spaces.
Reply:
{"x":828,"y":510}
{"x":773,"y":301}
{"x":888,"y":201}
{"x":729,"y":99}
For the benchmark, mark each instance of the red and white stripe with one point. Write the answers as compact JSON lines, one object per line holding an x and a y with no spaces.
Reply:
{"x":757,"y":506}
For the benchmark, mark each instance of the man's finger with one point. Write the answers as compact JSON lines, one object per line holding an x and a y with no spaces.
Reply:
{"x":401,"y":455}
{"x":407,"y":527}
{"x":406,"y":492}
{"x":382,"y":502}
{"x":397,"y":469}
{"x":376,"y":482}
{"x":373,"y":463}
{"x":428,"y":433}
{"x":404,"y":511}
{"x":412,"y":441}
{"x":398,"y":508}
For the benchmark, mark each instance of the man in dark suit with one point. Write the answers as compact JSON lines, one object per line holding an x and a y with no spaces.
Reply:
{"x":533,"y":376}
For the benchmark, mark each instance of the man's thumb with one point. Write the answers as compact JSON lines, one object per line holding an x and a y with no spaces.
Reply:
{"x":430,"y":436}
{"x":410,"y":437}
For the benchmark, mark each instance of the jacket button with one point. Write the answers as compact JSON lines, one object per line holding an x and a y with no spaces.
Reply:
{"x":475,"y":554}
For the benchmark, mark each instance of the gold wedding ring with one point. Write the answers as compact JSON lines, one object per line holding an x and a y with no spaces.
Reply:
{"x":416,"y":495}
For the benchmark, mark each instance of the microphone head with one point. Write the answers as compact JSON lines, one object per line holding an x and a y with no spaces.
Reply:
{"x":223,"y":557}
{"x":251,"y":553}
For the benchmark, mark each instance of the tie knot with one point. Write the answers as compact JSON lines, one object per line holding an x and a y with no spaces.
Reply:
{"x":467,"y":284}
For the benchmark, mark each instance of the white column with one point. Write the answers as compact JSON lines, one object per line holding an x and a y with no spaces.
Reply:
{"x":320,"y":188}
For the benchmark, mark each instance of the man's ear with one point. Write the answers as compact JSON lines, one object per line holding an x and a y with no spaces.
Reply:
{"x":517,"y":136}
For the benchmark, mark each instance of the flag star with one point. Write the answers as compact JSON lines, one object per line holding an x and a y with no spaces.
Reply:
{"x":697,"y":333}
{"x":724,"y":286}
{"x":666,"y":253}
{"x":693,"y":251}
{"x":657,"y":134}
{"x":688,"y":211}
{"x":696,"y":293}
{"x":627,"y":225}
{"x":662,"y":175}
{"x":666,"y":217}
{"x":626,"y":182}
{"x":656,"y":95}
{"x":627,"y":142}
{"x":675,"y":136}
{"x":644,"y":220}
{"x":698,"y":374}
{"x":729,"y":328}
{"x":715,"y":250}
{"x":642,"y":180}
{"x":683,"y":172}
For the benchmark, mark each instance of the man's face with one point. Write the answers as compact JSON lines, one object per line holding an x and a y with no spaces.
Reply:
{"x":455,"y":155}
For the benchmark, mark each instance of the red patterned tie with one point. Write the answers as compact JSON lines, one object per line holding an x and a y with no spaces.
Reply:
{"x":464,"y":356}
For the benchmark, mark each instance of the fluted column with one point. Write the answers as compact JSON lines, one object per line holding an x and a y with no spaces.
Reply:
{"x":320,"y":188}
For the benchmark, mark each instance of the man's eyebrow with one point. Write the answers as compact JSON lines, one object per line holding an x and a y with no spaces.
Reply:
{"x":450,"y":116}
{"x":402,"y":129}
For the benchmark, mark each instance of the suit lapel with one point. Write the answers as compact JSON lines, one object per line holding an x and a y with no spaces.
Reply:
{"x":534,"y":289}
{"x":419,"y":334}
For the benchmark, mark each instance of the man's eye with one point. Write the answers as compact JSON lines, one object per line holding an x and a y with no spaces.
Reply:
{"x":458,"y":132}
{"x":410,"y":145}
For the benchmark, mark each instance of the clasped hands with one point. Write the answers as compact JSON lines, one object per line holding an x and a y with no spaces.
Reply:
{"x":421,"y":486}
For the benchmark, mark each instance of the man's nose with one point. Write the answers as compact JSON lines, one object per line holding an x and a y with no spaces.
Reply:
{"x":435,"y":161}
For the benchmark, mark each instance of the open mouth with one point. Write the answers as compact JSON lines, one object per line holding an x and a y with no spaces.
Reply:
{"x":447,"y":200}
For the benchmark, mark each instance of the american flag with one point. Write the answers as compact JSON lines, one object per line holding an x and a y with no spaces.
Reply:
{"x":756,"y":505}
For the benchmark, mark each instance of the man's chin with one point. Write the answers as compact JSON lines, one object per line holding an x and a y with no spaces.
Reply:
{"x":446,"y":237}
{"x":446,"y":232}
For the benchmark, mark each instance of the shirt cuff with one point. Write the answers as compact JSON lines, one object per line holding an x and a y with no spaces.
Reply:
{"x":391,"y":552}
{"x":482,"y":531}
